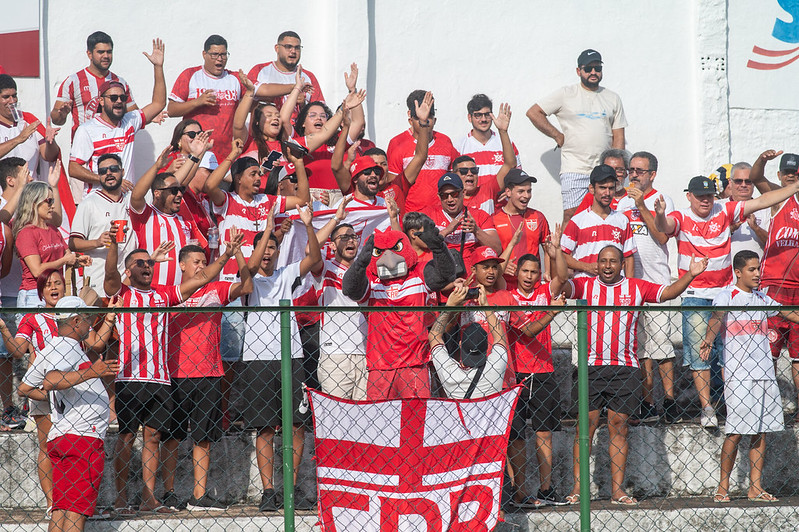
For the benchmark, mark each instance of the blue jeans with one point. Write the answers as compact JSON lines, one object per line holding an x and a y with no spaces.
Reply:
{"x":232,"y":331}
{"x":694,"y":328}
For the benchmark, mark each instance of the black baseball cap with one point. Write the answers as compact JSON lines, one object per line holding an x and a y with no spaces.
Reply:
{"x":589,"y":56}
{"x":241,"y":164}
{"x":701,"y":185}
{"x":789,"y":163}
{"x":603,"y":172}
{"x":474,"y":345}
{"x":450,"y":179}
{"x":517,"y":176}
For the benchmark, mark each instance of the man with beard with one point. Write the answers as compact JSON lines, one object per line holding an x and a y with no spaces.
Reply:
{"x":90,"y":234}
{"x":113,"y":131}
{"x":592,"y":119}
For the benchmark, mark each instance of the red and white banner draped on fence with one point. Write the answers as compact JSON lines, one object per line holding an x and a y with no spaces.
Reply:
{"x":411,"y":464}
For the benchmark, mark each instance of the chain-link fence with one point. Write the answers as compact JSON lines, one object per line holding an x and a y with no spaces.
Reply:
{"x":197,"y":434}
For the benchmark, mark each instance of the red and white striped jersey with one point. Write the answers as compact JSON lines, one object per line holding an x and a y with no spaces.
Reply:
{"x":587,"y":233}
{"x":97,"y":137}
{"x":28,"y":150}
{"x":780,"y":265}
{"x":707,"y":237}
{"x":439,"y":157}
{"x":37,"y":329}
{"x":269,"y":73}
{"x":152,"y":227}
{"x":612,"y":339}
{"x":191,"y":84}
{"x":250,"y":218}
{"x":341,"y":332}
{"x":143,"y":337}
{"x":82,"y":91}
{"x":488,"y":157}
{"x":532,"y":355}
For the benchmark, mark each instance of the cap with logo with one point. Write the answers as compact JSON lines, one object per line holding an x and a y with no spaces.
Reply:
{"x":363,"y":163}
{"x":70,"y":302}
{"x":789,"y":163}
{"x":603,"y":172}
{"x":589,"y":56}
{"x":450,"y":179}
{"x":517,"y":176}
{"x":110,"y":84}
{"x":484,"y":253}
{"x":701,"y":185}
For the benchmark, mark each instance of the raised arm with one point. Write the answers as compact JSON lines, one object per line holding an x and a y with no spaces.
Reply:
{"x":154,"y":108}
{"x":323,"y":235}
{"x":770,"y":198}
{"x":313,"y":256}
{"x":303,"y":196}
{"x":533,"y":327}
{"x":315,"y":140}
{"x":254,"y":262}
{"x":211,"y":187}
{"x":663,"y":223}
{"x":210,"y":272}
{"x":243,"y":109}
{"x":496,"y":328}
{"x":678,"y":287}
{"x":758,"y":172}
{"x":112,"y":281}
{"x":197,"y":148}
{"x":340,"y":170}
{"x":53,"y":177}
{"x":539,"y":119}
{"x":142,"y":186}
{"x":646,"y":216}
{"x":358,"y":119}
{"x":245,"y":286}
{"x":411,"y":171}
{"x":502,"y":122}
{"x":455,"y":299}
{"x":97,"y":340}
{"x":559,"y":274}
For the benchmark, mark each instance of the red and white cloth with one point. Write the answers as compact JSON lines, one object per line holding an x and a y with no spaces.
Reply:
{"x":488,"y":157}
{"x":651,"y":257}
{"x":430,"y":464}
{"x":587,"y":234}
{"x":37,"y":329}
{"x":341,"y":332}
{"x":82,"y":91}
{"x":269,"y":73}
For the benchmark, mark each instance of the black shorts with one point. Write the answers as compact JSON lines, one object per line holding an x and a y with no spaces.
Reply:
{"x":616,"y":387}
{"x":261,"y":391}
{"x":539,"y":402}
{"x":196,"y":401}
{"x":142,"y":403}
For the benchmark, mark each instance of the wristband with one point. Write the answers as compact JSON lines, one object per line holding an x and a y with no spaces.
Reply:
{"x":193,"y":158}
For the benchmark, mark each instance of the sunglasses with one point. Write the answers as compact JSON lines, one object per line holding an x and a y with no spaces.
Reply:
{"x":113,"y":168}
{"x":174,"y":190}
{"x":595,"y":68}
{"x":474,"y":170}
{"x":192,"y":134}
{"x":346,"y":238}
{"x":450,"y":194}
{"x":291,"y":179}
{"x":140,"y":263}
{"x":746,"y":182}
{"x":370,"y":171}
{"x":114,"y":97}
{"x":48,"y":201}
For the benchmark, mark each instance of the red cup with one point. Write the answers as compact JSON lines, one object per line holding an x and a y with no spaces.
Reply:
{"x":120,"y":225}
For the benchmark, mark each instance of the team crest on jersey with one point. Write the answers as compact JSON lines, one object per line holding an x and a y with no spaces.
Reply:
{"x":262,"y":212}
{"x":714,"y":227}
{"x":616,"y":235}
{"x":392,"y":291}
{"x":625,"y":300}
{"x":794,"y":215}
{"x":773,"y":335}
{"x":498,"y":158}
{"x":119,"y":144}
{"x":531,"y":224}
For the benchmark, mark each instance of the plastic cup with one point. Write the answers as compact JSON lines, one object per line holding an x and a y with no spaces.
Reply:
{"x":121,"y":230}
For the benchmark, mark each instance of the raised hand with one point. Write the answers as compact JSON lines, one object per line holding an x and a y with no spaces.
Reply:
{"x":249,"y":86}
{"x":201,"y":143}
{"x":27,"y":131}
{"x":341,"y":212}
{"x":306,"y":214}
{"x":237,"y":146}
{"x":638,"y":197}
{"x":54,"y":175}
{"x":233,"y":245}
{"x":160,"y":117}
{"x":502,"y":120}
{"x":163,"y":157}
{"x":157,"y":57}
{"x":351,"y":80}
{"x":50,"y":132}
{"x":161,"y":253}
{"x":423,"y":109}
{"x":392,"y":208}
{"x":482,"y":296}
{"x":354,"y":99}
{"x":697,"y":266}
{"x":769,"y":155}
{"x":299,"y":82}
{"x":660,"y":205}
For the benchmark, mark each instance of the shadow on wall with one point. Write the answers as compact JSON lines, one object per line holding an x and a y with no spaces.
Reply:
{"x":551,"y":161}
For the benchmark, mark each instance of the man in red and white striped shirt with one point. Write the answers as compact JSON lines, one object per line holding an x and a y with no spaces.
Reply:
{"x":703,"y":230}
{"x":142,"y":384}
{"x":114,"y":130}
{"x":614,"y":380}
{"x":79,"y":94}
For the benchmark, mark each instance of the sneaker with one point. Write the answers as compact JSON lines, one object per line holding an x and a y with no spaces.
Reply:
{"x":708,"y":418}
{"x":529,"y":503}
{"x":302,"y":501}
{"x":649,"y":413}
{"x":171,"y":500}
{"x":269,"y":501}
{"x":13,"y":418}
{"x":671,"y":411}
{"x":551,"y":497}
{"x":206,"y":502}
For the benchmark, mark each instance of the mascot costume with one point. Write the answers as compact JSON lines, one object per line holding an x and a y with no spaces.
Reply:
{"x":387,"y":273}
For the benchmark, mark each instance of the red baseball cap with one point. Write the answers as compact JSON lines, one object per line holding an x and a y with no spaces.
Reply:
{"x":484,"y":253}
{"x":109,"y":84}
{"x":363,"y":163}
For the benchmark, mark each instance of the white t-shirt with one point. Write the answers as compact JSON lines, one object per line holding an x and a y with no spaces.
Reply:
{"x":9,"y":285}
{"x":456,"y":380}
{"x":652,"y":258}
{"x":587,"y":119}
{"x":28,"y":150}
{"x":83,"y":409}
{"x":340,"y":332}
{"x":744,"y":237}
{"x":262,"y":339}
{"x":747,"y":355}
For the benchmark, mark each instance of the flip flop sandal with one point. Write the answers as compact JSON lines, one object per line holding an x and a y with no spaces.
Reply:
{"x":573,"y":498}
{"x":721,"y":497}
{"x":764,"y":496}
{"x":624,"y":500}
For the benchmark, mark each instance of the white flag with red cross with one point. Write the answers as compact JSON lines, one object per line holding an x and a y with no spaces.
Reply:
{"x":411,"y":464}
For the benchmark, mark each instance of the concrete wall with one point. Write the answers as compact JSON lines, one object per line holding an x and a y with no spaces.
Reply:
{"x":665,"y":59}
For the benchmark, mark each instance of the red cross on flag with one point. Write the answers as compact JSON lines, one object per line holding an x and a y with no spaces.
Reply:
{"x":411,"y":464}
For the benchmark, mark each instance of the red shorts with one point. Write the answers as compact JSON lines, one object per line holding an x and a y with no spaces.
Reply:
{"x":783,"y":333}
{"x":77,"y":471}
{"x":402,"y":383}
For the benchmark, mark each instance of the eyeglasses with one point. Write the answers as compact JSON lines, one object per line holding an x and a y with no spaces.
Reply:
{"x":746,"y":182}
{"x":314,"y":116}
{"x":218,"y":55}
{"x":174,"y":189}
{"x":347,"y":238}
{"x":481,"y":115}
{"x":48,"y":201}
{"x":636,"y":171}
{"x":474,"y":170}
{"x":594,"y":68}
{"x":140,"y":263}
{"x":620,"y":170}
{"x":451,"y":194}
{"x":192,"y":134}
{"x":114,"y":97}
{"x":112,"y":168}
{"x":290,"y":47}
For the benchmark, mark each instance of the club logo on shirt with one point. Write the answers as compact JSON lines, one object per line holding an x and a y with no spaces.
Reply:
{"x":773,"y":335}
{"x":616,"y":235}
{"x":714,"y":227}
{"x":532,"y":224}
{"x":625,"y":300}
{"x":119,"y":144}
{"x":392,"y":291}
{"x":794,"y":215}
{"x":498,"y":158}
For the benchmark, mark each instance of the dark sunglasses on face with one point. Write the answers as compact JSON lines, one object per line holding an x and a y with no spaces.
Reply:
{"x":450,"y":194}
{"x":593,"y":68}
{"x":113,"y":168}
{"x":140,"y":263}
{"x":48,"y":201}
{"x":192,"y":134}
{"x":371,"y":171}
{"x":474,"y":170}
{"x":345,"y":238}
{"x":742,"y":182}
{"x":174,"y":190}
{"x":114,"y":97}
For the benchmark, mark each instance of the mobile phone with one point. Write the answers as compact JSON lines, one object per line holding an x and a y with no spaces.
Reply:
{"x":472,"y":293}
{"x":296,"y":149}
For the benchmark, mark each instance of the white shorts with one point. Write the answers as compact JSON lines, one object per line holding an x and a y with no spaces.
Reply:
{"x":753,"y":406}
{"x":573,"y":188}
{"x":654,"y":335}
{"x":343,"y":375}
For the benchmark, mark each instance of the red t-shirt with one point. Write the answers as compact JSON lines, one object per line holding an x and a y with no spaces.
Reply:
{"x":532,"y":355}
{"x":453,"y":240}
{"x":45,"y":242}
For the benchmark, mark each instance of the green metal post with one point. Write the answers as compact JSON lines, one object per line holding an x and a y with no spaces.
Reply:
{"x":582,"y":416}
{"x":286,"y":394}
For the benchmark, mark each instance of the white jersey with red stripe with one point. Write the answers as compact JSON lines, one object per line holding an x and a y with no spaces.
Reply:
{"x":152,"y":228}
{"x":587,"y":233}
{"x":269,"y":73}
{"x":780,"y":265}
{"x":707,"y":237}
{"x":37,"y":329}
{"x":488,"y":157}
{"x":97,"y":137}
{"x":249,"y":218}
{"x":28,"y":150}
{"x":612,"y":339}
{"x":143,"y":337}
{"x":341,"y":332}
{"x":82,"y":91}
{"x":747,"y":354}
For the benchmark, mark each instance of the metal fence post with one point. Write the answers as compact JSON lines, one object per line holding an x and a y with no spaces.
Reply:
{"x":582,"y":416}
{"x":286,"y":394}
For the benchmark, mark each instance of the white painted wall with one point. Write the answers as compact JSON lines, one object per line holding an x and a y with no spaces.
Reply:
{"x":514,"y":51}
